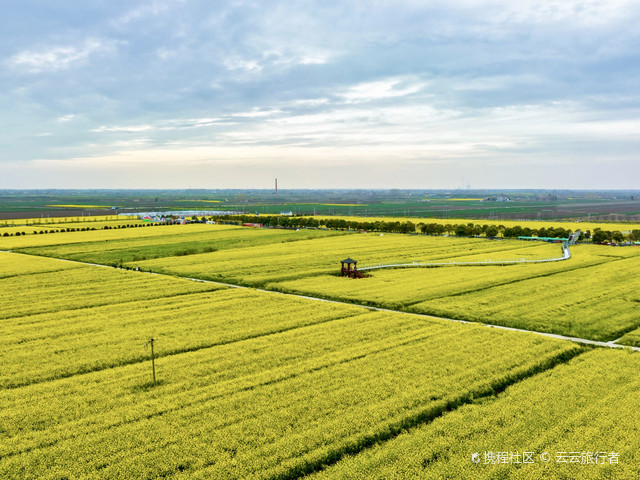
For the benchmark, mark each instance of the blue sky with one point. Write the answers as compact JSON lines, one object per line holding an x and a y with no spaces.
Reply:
{"x":362,"y":94}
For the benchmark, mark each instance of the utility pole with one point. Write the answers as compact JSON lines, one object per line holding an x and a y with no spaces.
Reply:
{"x":153,"y":362}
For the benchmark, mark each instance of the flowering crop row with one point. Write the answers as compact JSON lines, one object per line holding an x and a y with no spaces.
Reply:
{"x":592,"y":295}
{"x":192,"y":377}
{"x":92,"y":225}
{"x":64,"y":220}
{"x":579,"y":420}
{"x":631,"y":338}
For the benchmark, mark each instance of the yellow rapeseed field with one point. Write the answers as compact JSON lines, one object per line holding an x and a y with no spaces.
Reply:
{"x":578,"y":421}
{"x":321,"y":256}
{"x":257,"y":384}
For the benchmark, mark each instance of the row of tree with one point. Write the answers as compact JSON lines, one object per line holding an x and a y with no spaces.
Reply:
{"x":53,"y":230}
{"x":467,"y":230}
{"x":608,"y":236}
{"x":132,"y":225}
{"x":83,"y":229}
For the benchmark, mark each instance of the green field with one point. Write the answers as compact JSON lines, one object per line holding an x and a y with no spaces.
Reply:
{"x":461,"y":204}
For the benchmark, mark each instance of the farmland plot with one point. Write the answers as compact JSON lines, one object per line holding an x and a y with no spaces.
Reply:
{"x":182,"y":241}
{"x":258,"y":266}
{"x":598,"y":302}
{"x":12,"y":265}
{"x":85,"y":286}
{"x":583,"y":414}
{"x":58,"y":344}
{"x":400,"y":288}
{"x":262,"y":385}
{"x":279,"y":405}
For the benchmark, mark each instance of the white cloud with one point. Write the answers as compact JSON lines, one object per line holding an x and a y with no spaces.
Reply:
{"x":129,"y":128}
{"x":257,"y":112}
{"x":417,"y":137}
{"x":315,"y":59}
{"x":311,"y":102}
{"x":476,"y":80}
{"x":290,"y":57}
{"x":143,"y":12}
{"x":366,"y":92}
{"x":134,"y":143}
{"x":238,"y":63}
{"x":197,"y":122}
{"x":277,"y":58}
{"x":58,"y":57}
{"x":584,"y":12}
{"x":175,"y":124}
{"x":166,"y":54}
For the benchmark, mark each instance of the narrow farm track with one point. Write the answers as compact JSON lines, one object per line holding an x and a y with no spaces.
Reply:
{"x":566,"y":255}
{"x":584,"y":341}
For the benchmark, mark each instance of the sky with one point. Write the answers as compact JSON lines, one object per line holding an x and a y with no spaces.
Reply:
{"x":320,"y":94}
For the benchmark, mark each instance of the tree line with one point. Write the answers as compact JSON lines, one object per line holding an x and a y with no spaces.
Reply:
{"x":460,"y":230}
{"x":84,"y":229}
